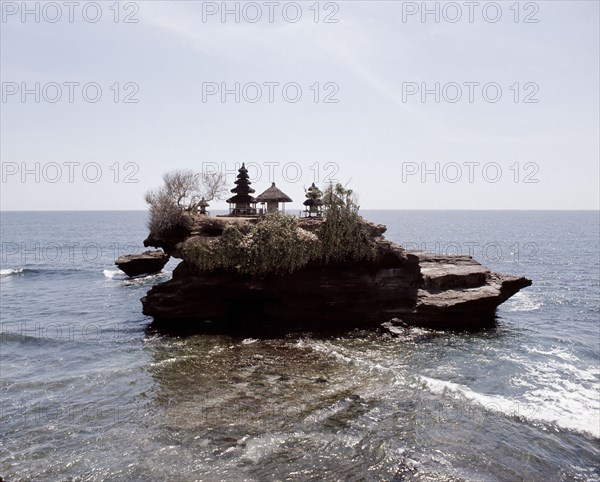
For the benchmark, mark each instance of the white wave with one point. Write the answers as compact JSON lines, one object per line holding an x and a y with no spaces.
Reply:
{"x":570,"y":406}
{"x":523,"y":301}
{"x":111,"y":273}
{"x":249,"y":341}
{"x":561,"y":353}
{"x":8,"y":272}
{"x":140,"y":280}
{"x":409,"y":333}
{"x":558,"y":364}
{"x":169,"y":361}
{"x":262,"y":446}
{"x":117,"y":274}
{"x":349,"y":357}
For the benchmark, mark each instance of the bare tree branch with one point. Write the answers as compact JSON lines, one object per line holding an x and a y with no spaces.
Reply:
{"x":182,"y":192}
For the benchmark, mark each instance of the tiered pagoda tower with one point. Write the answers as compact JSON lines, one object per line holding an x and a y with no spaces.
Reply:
{"x":242,"y":204}
{"x":313,"y":203}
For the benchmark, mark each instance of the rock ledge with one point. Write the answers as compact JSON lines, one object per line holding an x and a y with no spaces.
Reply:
{"x":416,"y":288}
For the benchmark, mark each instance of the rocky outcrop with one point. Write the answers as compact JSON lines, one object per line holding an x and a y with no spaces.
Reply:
{"x":413,"y":288}
{"x":457,"y":290}
{"x":148,"y":262}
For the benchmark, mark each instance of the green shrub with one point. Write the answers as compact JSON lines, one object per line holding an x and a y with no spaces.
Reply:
{"x":202,"y":253}
{"x":344,"y":237}
{"x":274,"y":245}
{"x":222,"y":252}
{"x":277,"y":245}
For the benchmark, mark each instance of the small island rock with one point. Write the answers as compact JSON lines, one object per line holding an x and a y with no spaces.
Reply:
{"x":148,"y":262}
{"x":416,"y":288}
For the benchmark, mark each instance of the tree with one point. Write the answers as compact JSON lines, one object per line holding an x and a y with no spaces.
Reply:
{"x":340,"y":196}
{"x":343,"y":235}
{"x":180,"y":196}
{"x":186,"y":187}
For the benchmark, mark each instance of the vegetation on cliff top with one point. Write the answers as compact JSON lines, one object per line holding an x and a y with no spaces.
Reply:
{"x":278,"y":245}
{"x":274,"y":245}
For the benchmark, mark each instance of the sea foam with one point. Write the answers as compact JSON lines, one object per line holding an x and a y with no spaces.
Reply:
{"x":9,"y":271}
{"x":568,"y":407}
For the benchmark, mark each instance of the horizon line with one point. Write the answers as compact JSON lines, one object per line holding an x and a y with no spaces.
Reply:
{"x":362,"y":209}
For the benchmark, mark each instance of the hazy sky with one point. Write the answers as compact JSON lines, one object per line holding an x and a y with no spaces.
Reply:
{"x":518,"y":100}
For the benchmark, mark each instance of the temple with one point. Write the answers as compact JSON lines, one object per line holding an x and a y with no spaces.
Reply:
{"x":242,"y":204}
{"x":313,"y":203}
{"x":202,"y":205}
{"x":272,"y":197}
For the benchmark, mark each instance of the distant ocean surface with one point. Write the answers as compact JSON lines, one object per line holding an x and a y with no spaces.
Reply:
{"x":89,"y":392}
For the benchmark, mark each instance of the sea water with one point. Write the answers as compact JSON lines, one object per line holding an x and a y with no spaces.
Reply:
{"x":89,"y":391}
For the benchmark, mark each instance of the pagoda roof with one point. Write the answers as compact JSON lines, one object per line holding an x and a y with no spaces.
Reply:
{"x":242,"y":189}
{"x":203,"y":203}
{"x":241,"y":198}
{"x":274,"y":194}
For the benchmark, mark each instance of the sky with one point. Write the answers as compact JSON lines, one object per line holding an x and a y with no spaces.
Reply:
{"x":443,"y":105}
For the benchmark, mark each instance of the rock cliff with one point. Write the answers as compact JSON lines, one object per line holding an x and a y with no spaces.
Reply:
{"x":416,"y":288}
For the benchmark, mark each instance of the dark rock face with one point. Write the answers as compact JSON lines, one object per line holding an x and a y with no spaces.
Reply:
{"x":168,"y":240}
{"x":309,"y":298}
{"x":412,"y":288}
{"x":146,"y":263}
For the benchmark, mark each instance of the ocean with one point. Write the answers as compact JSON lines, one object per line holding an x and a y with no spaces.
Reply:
{"x":91,"y":391}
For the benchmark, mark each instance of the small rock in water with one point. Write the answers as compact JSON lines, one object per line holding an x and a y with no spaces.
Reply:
{"x":148,"y":262}
{"x":395,"y":326}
